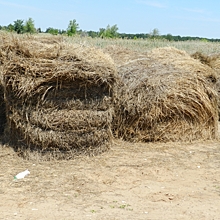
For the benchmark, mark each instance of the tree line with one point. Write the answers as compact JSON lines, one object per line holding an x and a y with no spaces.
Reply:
{"x":28,"y":26}
{"x":20,"y":26}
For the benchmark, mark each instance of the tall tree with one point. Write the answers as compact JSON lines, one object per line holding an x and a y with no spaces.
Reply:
{"x":93,"y":34}
{"x":72,"y":28}
{"x":101,"y":32}
{"x":155,"y":33}
{"x":29,"y":26}
{"x":109,"y":31}
{"x":10,"y":27}
{"x":169,"y":37}
{"x":114,"y":31}
{"x":19,"y":26}
{"x":53,"y":31}
{"x":38,"y":30}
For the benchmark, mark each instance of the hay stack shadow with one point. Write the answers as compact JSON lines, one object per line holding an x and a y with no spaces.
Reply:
{"x":58,"y":97}
{"x":166,"y":96}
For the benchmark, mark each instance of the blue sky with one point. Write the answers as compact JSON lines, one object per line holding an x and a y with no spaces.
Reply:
{"x":185,"y":18}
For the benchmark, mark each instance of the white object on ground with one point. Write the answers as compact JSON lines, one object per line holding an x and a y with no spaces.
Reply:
{"x":22,"y":175}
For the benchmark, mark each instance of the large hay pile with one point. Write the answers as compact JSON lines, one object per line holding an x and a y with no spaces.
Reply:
{"x":214,"y":62}
{"x":166,"y":96}
{"x":58,"y":96}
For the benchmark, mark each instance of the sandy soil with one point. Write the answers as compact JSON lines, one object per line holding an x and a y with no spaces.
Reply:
{"x":131,"y":181}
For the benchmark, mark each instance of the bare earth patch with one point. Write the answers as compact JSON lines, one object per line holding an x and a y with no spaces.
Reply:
{"x":131,"y":181}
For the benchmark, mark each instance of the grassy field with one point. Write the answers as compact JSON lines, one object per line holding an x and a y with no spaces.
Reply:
{"x":142,"y":45}
{"x":148,"y":44}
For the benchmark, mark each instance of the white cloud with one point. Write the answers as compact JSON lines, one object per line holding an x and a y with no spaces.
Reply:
{"x":195,"y":10}
{"x":155,"y":4}
{"x":29,"y":8}
{"x":200,"y":19}
{"x":15,"y":5}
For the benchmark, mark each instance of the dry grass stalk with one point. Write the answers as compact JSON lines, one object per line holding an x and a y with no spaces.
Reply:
{"x":168,"y":96}
{"x":58,"y":96}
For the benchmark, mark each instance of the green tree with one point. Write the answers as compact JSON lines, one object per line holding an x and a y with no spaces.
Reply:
{"x":62,"y":32}
{"x":109,"y":32}
{"x":113,"y":31}
{"x":204,"y":40}
{"x":72,"y":28}
{"x":38,"y":30}
{"x":52,"y":31}
{"x":101,"y":32}
{"x":10,"y":27}
{"x":154,"y":33}
{"x":19,"y":26}
{"x":29,"y":26}
{"x":169,"y":37}
{"x":93,"y":34}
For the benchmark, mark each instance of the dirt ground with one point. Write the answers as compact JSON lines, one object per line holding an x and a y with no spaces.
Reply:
{"x":131,"y":181}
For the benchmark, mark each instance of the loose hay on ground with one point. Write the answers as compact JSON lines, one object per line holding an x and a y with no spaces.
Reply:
{"x":166,"y":96}
{"x":58,"y":96}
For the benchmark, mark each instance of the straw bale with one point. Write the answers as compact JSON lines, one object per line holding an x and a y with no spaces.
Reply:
{"x":166,"y":96}
{"x":214,"y":62}
{"x":58,"y":96}
{"x":122,"y":55}
{"x":205,"y":59}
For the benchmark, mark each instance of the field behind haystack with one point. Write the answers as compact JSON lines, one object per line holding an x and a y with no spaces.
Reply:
{"x":130,"y":181}
{"x":144,"y":45}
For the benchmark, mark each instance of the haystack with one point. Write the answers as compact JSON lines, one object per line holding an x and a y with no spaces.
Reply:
{"x":58,"y":96}
{"x":214,"y":62}
{"x":166,"y":96}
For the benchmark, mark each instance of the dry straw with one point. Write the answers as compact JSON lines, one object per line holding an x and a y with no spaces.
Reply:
{"x":2,"y":101}
{"x":166,"y":96}
{"x":212,"y":61}
{"x":215,"y":64}
{"x":58,"y":96}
